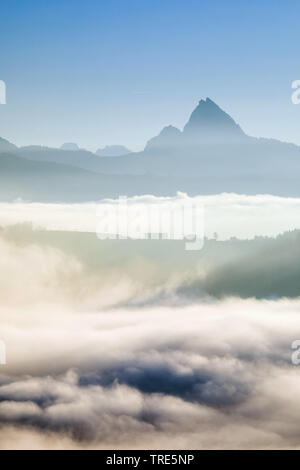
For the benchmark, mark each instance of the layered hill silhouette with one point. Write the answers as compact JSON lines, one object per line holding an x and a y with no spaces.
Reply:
{"x":113,"y":151}
{"x":212,"y":154}
{"x":30,"y":180}
{"x":70,"y":146}
{"x":6,"y":146}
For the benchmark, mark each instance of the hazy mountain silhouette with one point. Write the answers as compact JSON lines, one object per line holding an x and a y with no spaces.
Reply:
{"x":211,"y":155}
{"x":113,"y":151}
{"x":210,"y":123}
{"x":169,"y":137}
{"x":81,"y":158}
{"x":70,"y":146}
{"x":55,"y":182}
{"x":6,"y":146}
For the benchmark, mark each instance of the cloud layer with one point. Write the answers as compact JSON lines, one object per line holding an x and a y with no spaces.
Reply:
{"x":88,"y":369}
{"x":229,"y":215}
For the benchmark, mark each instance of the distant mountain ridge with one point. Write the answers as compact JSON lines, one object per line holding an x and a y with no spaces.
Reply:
{"x":43,"y":181}
{"x":212,"y":154}
{"x":70,"y":146}
{"x":113,"y":151}
{"x":6,"y":146}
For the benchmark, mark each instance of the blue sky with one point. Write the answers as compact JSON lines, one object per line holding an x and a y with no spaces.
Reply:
{"x":101,"y":72}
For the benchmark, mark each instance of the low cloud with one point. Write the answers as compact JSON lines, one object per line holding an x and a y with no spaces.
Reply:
{"x":89,"y":368}
{"x":229,"y":215}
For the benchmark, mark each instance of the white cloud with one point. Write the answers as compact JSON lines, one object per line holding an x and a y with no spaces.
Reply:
{"x":213,"y":374}
{"x":227,"y":214}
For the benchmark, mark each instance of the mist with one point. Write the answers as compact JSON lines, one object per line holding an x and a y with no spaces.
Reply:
{"x":93,"y":361}
{"x":228,"y":215}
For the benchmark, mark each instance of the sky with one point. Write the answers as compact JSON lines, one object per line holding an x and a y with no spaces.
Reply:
{"x":102,"y":72}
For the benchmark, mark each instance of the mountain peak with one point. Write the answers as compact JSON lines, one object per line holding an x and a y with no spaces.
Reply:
{"x":166,"y":138}
{"x":208,"y":101}
{"x":208,"y":121}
